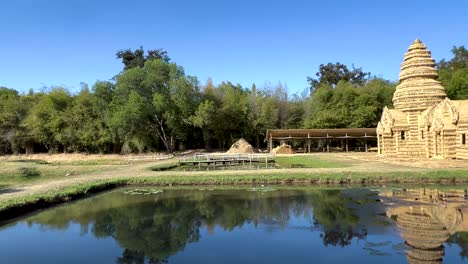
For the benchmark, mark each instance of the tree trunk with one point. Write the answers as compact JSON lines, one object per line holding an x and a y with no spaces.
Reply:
{"x":206,"y":138}
{"x":257,"y":140}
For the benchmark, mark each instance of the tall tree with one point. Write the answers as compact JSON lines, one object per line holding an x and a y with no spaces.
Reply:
{"x":137,"y":58}
{"x":348,"y":105}
{"x":332,"y":73}
{"x":204,"y":119}
{"x":103,"y":93}
{"x":232,"y":116}
{"x":12,"y":112}
{"x":47,"y":120}
{"x":166,"y":99}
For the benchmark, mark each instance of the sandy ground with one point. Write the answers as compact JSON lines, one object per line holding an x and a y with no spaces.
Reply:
{"x":358,"y":162}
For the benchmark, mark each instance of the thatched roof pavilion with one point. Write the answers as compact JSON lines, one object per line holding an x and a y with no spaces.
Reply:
{"x":326,"y":135}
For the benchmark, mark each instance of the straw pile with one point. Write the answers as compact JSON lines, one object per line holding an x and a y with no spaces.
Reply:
{"x":283,"y":149}
{"x":241,"y":146}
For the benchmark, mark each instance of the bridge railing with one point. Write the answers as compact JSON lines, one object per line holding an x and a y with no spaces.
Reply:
{"x":150,"y":157}
{"x":202,"y":157}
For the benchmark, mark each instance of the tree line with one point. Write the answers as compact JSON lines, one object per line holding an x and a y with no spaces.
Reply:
{"x":152,"y":105}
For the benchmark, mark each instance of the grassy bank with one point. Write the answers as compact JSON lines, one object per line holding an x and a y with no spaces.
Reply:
{"x":28,"y":204}
{"x":19,"y":206}
{"x":307,"y":162}
{"x":17,"y":172}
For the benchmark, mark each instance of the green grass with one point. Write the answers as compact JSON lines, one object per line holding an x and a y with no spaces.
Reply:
{"x":306,"y":162}
{"x":20,"y":206}
{"x":31,"y":171}
{"x":164,"y":166}
{"x":28,"y":172}
{"x":279,"y":177}
{"x":91,"y":162}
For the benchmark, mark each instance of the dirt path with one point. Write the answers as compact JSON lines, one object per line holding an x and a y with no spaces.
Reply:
{"x":358,"y":162}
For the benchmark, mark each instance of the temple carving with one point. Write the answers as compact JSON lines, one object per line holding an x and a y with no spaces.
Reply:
{"x":424,"y":122}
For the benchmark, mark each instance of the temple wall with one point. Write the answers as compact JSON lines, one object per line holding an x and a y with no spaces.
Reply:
{"x":411,"y":145}
{"x":446,"y":143}
{"x":424,"y":122}
{"x":449,"y":144}
{"x":461,"y":150}
{"x":388,"y":146}
{"x":430,"y":148}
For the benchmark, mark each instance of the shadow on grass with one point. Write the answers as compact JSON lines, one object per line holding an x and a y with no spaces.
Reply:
{"x":5,"y":189}
{"x":37,"y":161}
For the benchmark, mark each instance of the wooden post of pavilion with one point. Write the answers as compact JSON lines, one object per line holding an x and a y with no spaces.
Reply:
{"x":346,"y":142}
{"x":365,"y":140}
{"x":328,"y":145}
{"x":270,"y":143}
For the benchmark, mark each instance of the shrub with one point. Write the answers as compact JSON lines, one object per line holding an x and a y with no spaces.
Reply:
{"x":29,"y":172}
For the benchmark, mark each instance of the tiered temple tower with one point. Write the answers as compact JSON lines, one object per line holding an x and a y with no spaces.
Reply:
{"x":418,"y":90}
{"x":424,"y":122}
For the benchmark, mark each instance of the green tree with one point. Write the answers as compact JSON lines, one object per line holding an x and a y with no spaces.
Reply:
{"x":85,"y":127}
{"x":203,"y":119}
{"x":263,"y":112}
{"x":349,"y":106}
{"x":164,"y":98}
{"x":47,"y":120}
{"x":232,"y":116}
{"x":332,"y":73}
{"x":12,"y":112}
{"x":453,"y":74}
{"x":137,"y":58}
{"x":102,"y":93}
{"x":130,"y":124}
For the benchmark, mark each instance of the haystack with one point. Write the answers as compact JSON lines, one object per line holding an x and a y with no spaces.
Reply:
{"x":283,"y":149}
{"x":241,"y":146}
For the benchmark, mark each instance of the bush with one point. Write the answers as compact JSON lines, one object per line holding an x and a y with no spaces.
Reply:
{"x":29,"y":172}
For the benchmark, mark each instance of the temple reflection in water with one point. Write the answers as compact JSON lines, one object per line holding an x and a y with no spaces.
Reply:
{"x":427,"y":218}
{"x":296,"y":224}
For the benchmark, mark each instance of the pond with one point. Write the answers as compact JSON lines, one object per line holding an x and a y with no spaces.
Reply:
{"x":279,"y":224}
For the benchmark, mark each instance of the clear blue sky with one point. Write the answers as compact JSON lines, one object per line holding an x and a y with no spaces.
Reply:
{"x":65,"y":42}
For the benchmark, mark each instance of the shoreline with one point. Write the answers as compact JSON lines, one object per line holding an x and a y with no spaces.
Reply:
{"x":66,"y":178}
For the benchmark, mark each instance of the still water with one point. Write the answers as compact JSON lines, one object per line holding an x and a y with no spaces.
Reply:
{"x":249,"y":225}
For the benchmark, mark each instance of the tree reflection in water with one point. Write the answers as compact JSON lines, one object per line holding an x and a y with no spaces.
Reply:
{"x":154,"y":227}
{"x":461,"y":239}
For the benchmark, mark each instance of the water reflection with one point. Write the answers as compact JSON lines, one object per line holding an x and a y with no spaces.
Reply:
{"x":427,"y":219}
{"x":153,"y":225}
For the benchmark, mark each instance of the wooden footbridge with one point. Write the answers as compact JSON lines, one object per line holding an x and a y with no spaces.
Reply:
{"x":226,"y":159}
